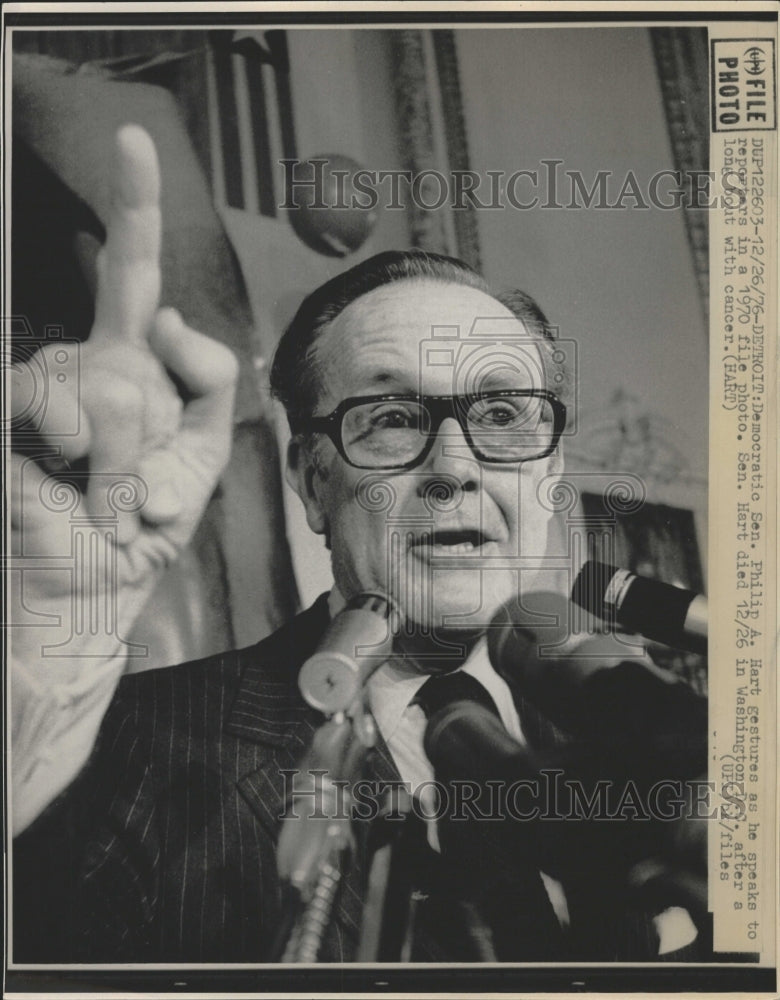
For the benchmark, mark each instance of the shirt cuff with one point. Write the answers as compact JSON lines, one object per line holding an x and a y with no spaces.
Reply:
{"x":53,"y":728}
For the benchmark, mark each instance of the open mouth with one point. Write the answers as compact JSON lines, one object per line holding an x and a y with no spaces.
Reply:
{"x":454,"y":541}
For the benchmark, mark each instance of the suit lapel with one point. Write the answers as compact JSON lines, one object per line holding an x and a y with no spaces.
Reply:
{"x":271,"y":717}
{"x":270,"y":714}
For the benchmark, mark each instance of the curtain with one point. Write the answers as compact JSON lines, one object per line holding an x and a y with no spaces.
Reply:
{"x":682,"y":63}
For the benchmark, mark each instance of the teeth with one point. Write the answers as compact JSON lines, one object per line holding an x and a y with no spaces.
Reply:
{"x":447,"y":548}
{"x":455,"y":548}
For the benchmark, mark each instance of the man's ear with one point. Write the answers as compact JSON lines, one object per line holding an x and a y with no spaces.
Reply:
{"x":300,"y":474}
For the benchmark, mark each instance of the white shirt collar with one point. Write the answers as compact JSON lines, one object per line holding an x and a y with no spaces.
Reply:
{"x":393,"y":685}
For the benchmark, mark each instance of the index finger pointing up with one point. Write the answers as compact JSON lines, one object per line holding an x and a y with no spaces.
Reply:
{"x":128,"y":288}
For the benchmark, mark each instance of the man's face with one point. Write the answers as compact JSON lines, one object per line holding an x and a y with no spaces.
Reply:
{"x":447,"y":538}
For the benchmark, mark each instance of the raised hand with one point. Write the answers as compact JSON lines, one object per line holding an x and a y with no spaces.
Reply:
{"x":137,"y":424}
{"x":154,"y":458}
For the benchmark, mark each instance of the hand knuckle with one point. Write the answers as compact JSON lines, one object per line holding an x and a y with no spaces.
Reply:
{"x":227,"y":367}
{"x":222,"y":367}
{"x":121,"y":396}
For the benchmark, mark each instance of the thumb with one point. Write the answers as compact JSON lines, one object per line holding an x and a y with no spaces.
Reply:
{"x":208,"y":371}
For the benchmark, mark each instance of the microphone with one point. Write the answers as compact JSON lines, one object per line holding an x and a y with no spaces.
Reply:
{"x":640,"y":715}
{"x":466,"y":740}
{"x":357,"y":641}
{"x":313,"y":821}
{"x":658,"y":611}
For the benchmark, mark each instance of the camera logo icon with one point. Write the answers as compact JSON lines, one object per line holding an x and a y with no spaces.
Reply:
{"x":493,"y":354}
{"x":39,"y":367}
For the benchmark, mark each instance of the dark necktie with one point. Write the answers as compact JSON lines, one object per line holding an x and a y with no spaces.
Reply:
{"x":486,"y":864}
{"x":444,"y":689}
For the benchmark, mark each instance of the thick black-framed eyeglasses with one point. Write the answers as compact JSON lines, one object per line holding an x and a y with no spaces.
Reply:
{"x":397,"y":431}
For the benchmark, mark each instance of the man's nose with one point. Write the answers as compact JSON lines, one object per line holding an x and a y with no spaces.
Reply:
{"x":450,"y":461}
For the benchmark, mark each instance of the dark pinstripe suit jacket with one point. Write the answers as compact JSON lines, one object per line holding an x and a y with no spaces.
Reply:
{"x":164,"y":849}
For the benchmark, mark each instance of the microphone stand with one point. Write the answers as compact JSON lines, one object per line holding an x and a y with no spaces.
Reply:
{"x":314,"y":850}
{"x":393,"y":896}
{"x":391,"y":899}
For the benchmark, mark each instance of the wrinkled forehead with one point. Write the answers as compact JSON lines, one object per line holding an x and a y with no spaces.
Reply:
{"x":427,"y":336}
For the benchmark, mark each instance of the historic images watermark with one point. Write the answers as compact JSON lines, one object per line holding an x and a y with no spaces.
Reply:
{"x":549,"y":795}
{"x":548,"y":185}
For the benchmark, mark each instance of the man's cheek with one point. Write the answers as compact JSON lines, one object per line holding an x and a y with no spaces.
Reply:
{"x":360,"y":547}
{"x":539,"y":498}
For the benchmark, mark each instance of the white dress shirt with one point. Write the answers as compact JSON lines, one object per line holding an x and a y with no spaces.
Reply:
{"x":391,"y":690}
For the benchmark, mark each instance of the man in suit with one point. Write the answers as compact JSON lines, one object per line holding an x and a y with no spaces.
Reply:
{"x":420,"y":457}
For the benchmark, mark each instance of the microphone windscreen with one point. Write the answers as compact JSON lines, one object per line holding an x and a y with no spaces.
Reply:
{"x":466,"y":740}
{"x":654,"y":609}
{"x":537,"y":622}
{"x":596,"y":689}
